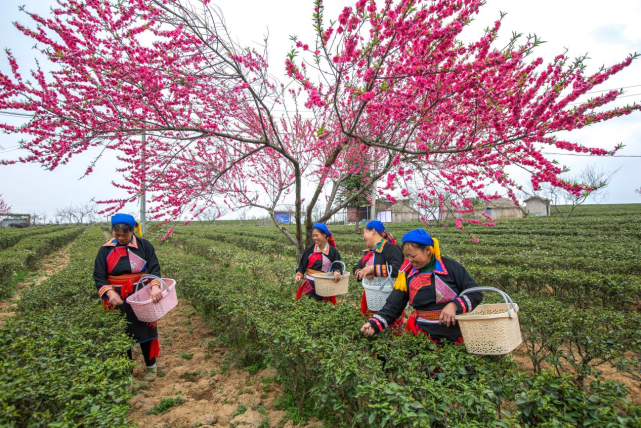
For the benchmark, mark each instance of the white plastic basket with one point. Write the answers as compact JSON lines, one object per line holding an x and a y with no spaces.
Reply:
{"x":142,"y":305}
{"x":491,"y":329}
{"x":377,"y":290}
{"x":325,"y":285}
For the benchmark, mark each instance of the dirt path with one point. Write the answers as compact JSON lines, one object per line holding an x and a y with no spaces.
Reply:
{"x":49,"y":265}
{"x":193,"y":368}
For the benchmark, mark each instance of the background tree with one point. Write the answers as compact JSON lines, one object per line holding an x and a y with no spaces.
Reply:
{"x":66,"y":214}
{"x":210,"y":215}
{"x":4,"y":206}
{"x":389,"y":85}
{"x":355,"y":184}
{"x":595,"y":180}
{"x":83,"y":212}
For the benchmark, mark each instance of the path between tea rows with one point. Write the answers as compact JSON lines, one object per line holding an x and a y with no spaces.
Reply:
{"x":194,"y":368}
{"x":48,"y":266}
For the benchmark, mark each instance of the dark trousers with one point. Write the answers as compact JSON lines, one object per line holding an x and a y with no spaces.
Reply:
{"x":145,"y":347}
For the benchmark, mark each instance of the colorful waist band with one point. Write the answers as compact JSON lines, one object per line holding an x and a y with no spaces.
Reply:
{"x":123,"y":279}
{"x":428,"y":315}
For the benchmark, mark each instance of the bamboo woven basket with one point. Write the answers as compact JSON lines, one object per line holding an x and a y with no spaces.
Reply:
{"x":491,"y":329}
{"x":325,"y":285}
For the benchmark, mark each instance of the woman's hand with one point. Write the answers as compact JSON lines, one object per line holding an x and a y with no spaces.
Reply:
{"x":367,"y":271}
{"x":448,"y":315}
{"x":298,"y":277}
{"x":114,"y":298}
{"x":337,"y":276}
{"x":155,"y":294}
{"x":367,"y":329}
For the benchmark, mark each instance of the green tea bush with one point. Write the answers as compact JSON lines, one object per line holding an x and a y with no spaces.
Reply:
{"x":63,"y":361}
{"x":28,"y":251}
{"x":10,"y":237}
{"x":324,"y":362}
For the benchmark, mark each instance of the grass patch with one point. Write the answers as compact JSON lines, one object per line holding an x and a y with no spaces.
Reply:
{"x":192,"y":376}
{"x":287,"y":403}
{"x":186,"y":356}
{"x":165,"y":405}
{"x":143,"y":386}
{"x":239,"y":410}
{"x":10,"y":288}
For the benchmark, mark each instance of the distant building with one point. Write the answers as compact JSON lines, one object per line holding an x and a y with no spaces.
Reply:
{"x":400,"y":211}
{"x":497,"y":209}
{"x":15,"y":220}
{"x":502,"y":208}
{"x":357,"y":214}
{"x":283,"y":217}
{"x":537,"y":206}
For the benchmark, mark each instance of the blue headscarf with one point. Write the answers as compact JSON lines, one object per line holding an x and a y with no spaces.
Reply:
{"x":380,"y":228}
{"x":126,"y":219}
{"x":420,"y":236}
{"x":376,"y":225}
{"x":323,"y":228}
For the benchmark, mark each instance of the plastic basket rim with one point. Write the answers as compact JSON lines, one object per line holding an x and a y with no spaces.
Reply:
{"x":328,"y":276}
{"x":471,"y":316}
{"x":148,"y":301}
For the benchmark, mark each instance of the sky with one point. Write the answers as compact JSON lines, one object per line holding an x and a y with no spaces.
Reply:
{"x":607,"y":31}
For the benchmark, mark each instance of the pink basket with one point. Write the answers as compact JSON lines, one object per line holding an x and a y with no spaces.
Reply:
{"x":144,"y":308}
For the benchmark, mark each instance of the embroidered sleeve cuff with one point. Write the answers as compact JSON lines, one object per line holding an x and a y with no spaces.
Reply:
{"x":378,"y":322}
{"x":155,"y":282}
{"x":381,"y":271}
{"x":104,"y":289}
{"x":463,"y":304}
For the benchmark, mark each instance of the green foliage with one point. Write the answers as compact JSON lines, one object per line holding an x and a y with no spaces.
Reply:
{"x":165,"y":405}
{"x":10,"y":237}
{"x":326,"y":367}
{"x":550,"y":401}
{"x":239,"y":410}
{"x":63,"y":359}
{"x":351,"y":185}
{"x":28,"y":251}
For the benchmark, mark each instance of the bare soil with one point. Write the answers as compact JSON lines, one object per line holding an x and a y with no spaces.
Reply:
{"x":193,"y":367}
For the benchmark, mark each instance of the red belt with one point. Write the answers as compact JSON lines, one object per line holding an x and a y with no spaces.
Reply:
{"x":126,"y":282}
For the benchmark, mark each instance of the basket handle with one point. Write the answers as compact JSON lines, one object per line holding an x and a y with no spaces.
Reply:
{"x":146,"y":277}
{"x":508,"y":299}
{"x":387,"y":279}
{"x":344,"y":267}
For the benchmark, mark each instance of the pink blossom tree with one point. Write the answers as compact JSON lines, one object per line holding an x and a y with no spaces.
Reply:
{"x":5,"y":208}
{"x":394,"y":95}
